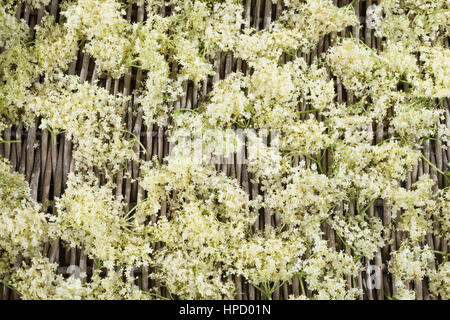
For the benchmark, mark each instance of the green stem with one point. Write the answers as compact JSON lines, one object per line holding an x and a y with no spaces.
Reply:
{"x":137,"y":140}
{"x":388,"y":139}
{"x":158,"y":296}
{"x":185,"y":109}
{"x":267,"y":292}
{"x":319,"y":163}
{"x":367,"y":207}
{"x":434,"y":167}
{"x":54,"y":134}
{"x":441,"y":253}
{"x":302,"y":286}
{"x":351,"y":3}
{"x":307,"y":111}
{"x":345,"y":243}
{"x":127,"y":216}
{"x":5,"y":282}
{"x":388,"y":297}
{"x":439,"y":11}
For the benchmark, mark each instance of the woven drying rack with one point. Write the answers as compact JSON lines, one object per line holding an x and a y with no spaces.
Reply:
{"x":46,"y":166}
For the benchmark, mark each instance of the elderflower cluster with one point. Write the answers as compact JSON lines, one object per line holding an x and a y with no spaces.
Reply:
{"x":87,"y":114}
{"x":209,"y":216}
{"x":323,"y":271}
{"x":228,"y":102}
{"x":416,"y":207}
{"x":17,"y":72}
{"x":435,"y":74}
{"x":442,"y":213}
{"x":414,"y":122}
{"x":23,"y":226}
{"x":403,"y":293}
{"x":101,"y":25}
{"x":37,"y":3}
{"x":269,"y":257}
{"x":263,"y":160}
{"x":307,"y":194}
{"x":91,"y":217}
{"x":371,"y":172}
{"x":360,"y":233}
{"x":364,"y":72}
{"x":55,"y":46}
{"x":440,"y":281}
{"x":39,"y":281}
{"x":410,"y":262}
{"x":11,"y":29}
{"x":298,"y":28}
{"x":412,"y":22}
{"x":321,"y":142}
{"x":305,"y":137}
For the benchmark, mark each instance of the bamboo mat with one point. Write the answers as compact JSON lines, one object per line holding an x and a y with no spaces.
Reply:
{"x":46,"y":166}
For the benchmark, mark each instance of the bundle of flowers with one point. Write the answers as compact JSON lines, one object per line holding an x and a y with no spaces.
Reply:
{"x":279,"y":170}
